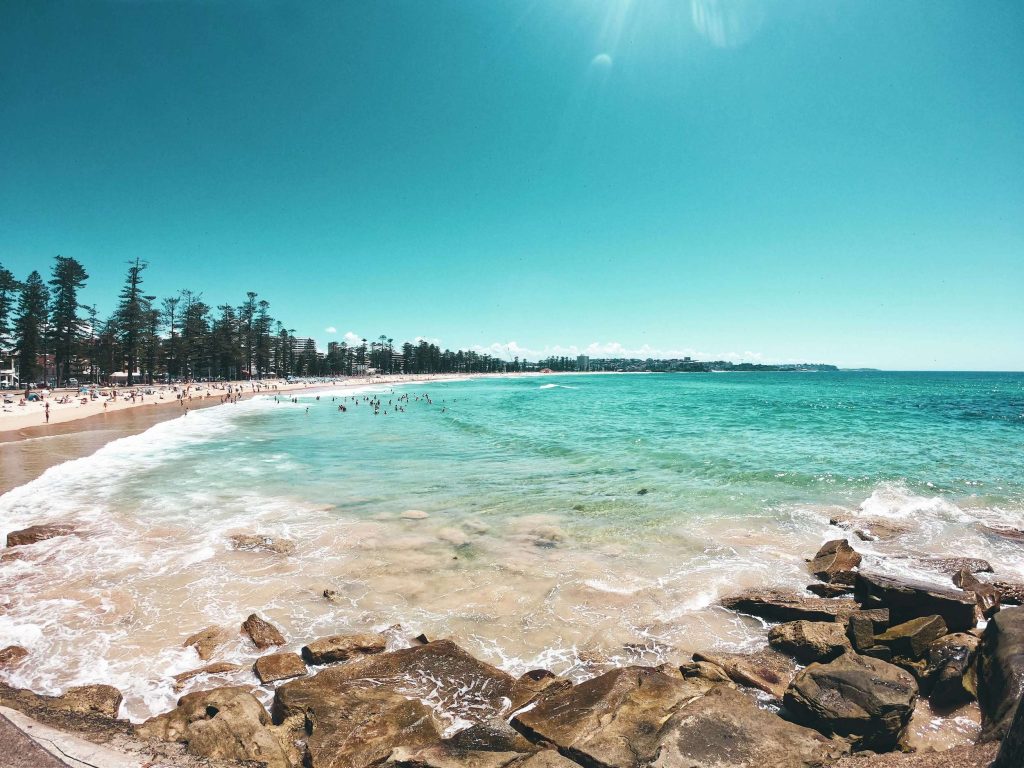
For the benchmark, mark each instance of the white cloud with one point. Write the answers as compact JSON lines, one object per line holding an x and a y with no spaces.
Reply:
{"x":330,"y":329}
{"x":353,"y":338}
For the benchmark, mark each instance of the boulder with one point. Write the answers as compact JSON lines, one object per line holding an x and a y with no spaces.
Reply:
{"x":455,"y":683}
{"x":950,"y":671}
{"x":1001,"y":671}
{"x":278,"y":666}
{"x":1011,"y":751}
{"x":809,"y":641}
{"x":907,"y":599}
{"x":986,"y":595}
{"x":865,"y":700}
{"x":704,"y":672}
{"x":910,"y":640}
{"x":610,"y":720}
{"x":861,"y":632}
{"x":206,"y":641}
{"x":262,"y":632}
{"x":12,"y":656}
{"x":354,"y":723}
{"x":726,"y":729}
{"x":217,"y":668}
{"x":225,"y":723}
{"x":782,"y":605}
{"x":766,"y":670}
{"x":328,"y":650}
{"x":101,"y":701}
{"x":35,"y":533}
{"x":836,"y":562}
{"x":258,"y":543}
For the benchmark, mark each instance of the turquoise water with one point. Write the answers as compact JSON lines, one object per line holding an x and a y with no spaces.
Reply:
{"x":572,"y":521}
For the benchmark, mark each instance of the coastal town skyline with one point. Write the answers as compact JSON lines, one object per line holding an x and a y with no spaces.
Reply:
{"x":609,"y":179}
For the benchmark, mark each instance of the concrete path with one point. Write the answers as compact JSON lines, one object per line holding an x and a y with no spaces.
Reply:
{"x":25,"y":743}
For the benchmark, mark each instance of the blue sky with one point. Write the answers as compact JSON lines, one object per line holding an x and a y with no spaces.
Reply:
{"x":820,"y":180}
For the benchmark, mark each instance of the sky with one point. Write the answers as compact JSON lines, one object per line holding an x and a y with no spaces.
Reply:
{"x":813,"y":180}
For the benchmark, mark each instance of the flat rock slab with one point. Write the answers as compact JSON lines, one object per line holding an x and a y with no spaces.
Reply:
{"x":809,"y":641}
{"x":611,"y":720}
{"x":206,"y":641}
{"x":278,"y":666}
{"x":907,"y":599}
{"x":453,"y":682}
{"x":725,"y":729}
{"x":782,"y":605}
{"x":957,"y":757}
{"x":101,"y":701}
{"x":766,"y":670}
{"x":328,"y":650}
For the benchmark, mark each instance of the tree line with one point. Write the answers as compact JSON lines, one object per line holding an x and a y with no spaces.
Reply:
{"x":55,"y":337}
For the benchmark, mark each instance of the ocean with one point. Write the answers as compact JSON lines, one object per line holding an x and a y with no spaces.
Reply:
{"x":572,"y":522}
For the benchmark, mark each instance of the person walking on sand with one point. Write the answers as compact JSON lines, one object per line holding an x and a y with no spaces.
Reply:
{"x":47,"y":409}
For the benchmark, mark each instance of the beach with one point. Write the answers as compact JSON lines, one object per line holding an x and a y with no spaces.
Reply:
{"x":578,"y":524}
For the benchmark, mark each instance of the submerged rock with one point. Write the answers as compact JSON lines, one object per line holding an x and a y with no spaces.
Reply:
{"x":610,"y":720}
{"x":1001,"y":671}
{"x":869,"y":528}
{"x":328,"y":650}
{"x":809,"y":641}
{"x":781,"y":605}
{"x":12,"y":656}
{"x":766,"y":670}
{"x":836,"y":562}
{"x":225,"y":723}
{"x":907,"y":599}
{"x":262,"y":632}
{"x":206,"y":641}
{"x":259,"y":543}
{"x":217,"y":668}
{"x":865,"y":700}
{"x":725,"y":729}
{"x":35,"y":533}
{"x":950,"y":565}
{"x":278,"y":666}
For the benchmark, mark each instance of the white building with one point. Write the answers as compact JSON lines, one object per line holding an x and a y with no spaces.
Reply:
{"x":8,"y":372}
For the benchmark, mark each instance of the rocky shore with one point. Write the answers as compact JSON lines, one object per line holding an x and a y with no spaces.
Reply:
{"x":837,"y":685}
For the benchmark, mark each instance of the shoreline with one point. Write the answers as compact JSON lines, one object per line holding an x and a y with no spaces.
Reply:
{"x":28,"y":448}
